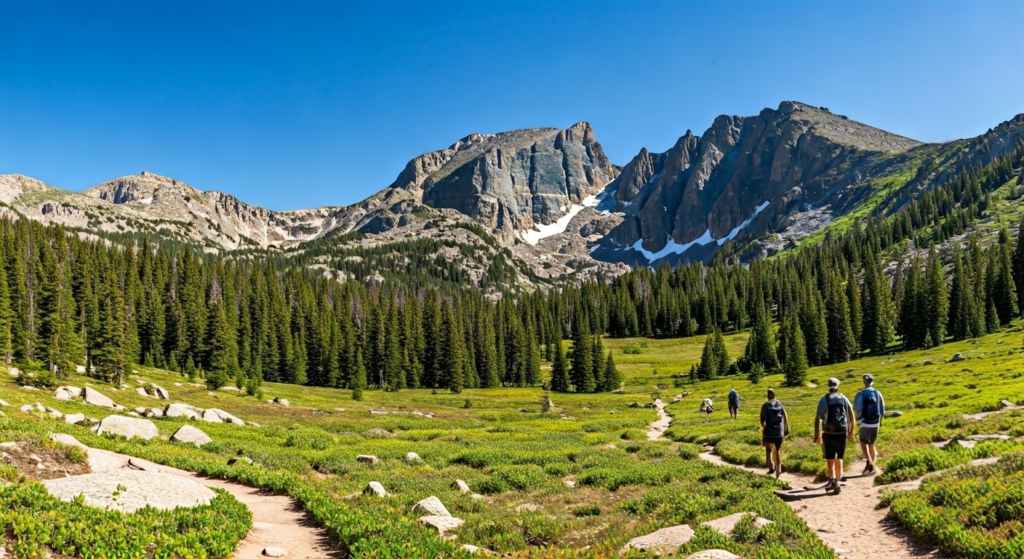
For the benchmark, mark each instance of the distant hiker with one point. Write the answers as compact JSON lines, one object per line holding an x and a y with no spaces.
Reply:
{"x":734,"y":403}
{"x":774,"y":428}
{"x":870,"y":408}
{"x":836,"y":413}
{"x":707,"y":407}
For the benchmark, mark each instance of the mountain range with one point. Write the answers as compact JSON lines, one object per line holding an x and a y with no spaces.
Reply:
{"x":549,"y":205}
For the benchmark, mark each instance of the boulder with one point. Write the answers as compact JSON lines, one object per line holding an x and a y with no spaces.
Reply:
{"x":239,"y":460}
{"x":28,"y":408}
{"x":442,"y":524}
{"x":282,"y":402}
{"x":726,"y":524}
{"x":462,"y":486}
{"x":140,"y":410}
{"x":527,"y":507}
{"x":154,"y":412}
{"x":956,"y":357}
{"x":713,"y":554}
{"x":223,"y":416}
{"x":74,"y":418}
{"x":274,"y":552}
{"x":666,"y":540}
{"x":56,"y":414}
{"x":190,"y":434}
{"x":4,"y":404}
{"x":379,"y":433}
{"x":127,"y":427}
{"x":160,"y":392}
{"x":66,"y":439}
{"x":182,"y":410}
{"x":376,"y":489}
{"x":62,"y":394}
{"x":142,"y":392}
{"x":473,"y":550}
{"x":211,"y":416}
{"x":130,"y":490}
{"x":95,"y":398}
{"x":989,"y":437}
{"x":894,"y":413}
{"x":412,"y":457}
{"x":431,"y":506}
{"x":367,"y":459}
{"x":13,"y":371}
{"x":80,"y":369}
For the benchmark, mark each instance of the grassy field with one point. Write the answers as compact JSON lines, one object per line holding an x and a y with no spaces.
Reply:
{"x":523,"y":461}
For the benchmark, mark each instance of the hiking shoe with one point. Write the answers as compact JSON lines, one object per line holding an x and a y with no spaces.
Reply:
{"x":837,"y":489}
{"x":778,"y":472}
{"x":868,"y":468}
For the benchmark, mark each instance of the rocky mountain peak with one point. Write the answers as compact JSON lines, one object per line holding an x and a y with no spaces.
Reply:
{"x":145,"y":188}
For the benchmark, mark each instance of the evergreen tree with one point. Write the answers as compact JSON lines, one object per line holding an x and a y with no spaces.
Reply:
{"x":612,"y":376}
{"x":357,"y":383}
{"x":708,"y":368}
{"x":581,"y":358}
{"x":837,"y":320}
{"x":598,"y":363}
{"x":559,"y":370}
{"x":761,"y":343}
{"x":936,"y":300}
{"x":795,"y":364}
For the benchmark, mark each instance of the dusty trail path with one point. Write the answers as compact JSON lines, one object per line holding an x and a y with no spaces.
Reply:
{"x":850,"y":523}
{"x":277,"y":520}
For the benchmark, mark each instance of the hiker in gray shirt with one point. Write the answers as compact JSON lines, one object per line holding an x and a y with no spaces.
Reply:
{"x":870,"y":408}
{"x":833,"y":426}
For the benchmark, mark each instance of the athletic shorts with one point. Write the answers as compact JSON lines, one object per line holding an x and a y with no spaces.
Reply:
{"x":733,"y":408}
{"x":868,"y":435}
{"x":834,"y":446}
{"x":777,"y":441}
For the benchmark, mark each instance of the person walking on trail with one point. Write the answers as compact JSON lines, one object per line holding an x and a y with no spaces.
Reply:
{"x":870,"y":408}
{"x":774,"y":428}
{"x":833,"y":426}
{"x":734,"y":403}
{"x":707,"y":407}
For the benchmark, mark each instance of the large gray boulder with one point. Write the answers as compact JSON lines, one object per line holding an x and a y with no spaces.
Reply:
{"x":222,"y":415}
{"x":211,"y":416}
{"x":190,"y":434}
{"x":183,"y":410}
{"x":93,"y":397}
{"x":160,"y":392}
{"x":431,"y":506}
{"x":442,"y":524}
{"x":130,"y":490}
{"x":726,"y":524}
{"x":127,"y":427}
{"x":666,"y":540}
{"x":374,"y":488}
{"x":74,"y":418}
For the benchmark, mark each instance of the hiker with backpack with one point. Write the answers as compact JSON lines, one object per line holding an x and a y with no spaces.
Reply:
{"x":708,"y":407}
{"x":734,"y":403}
{"x":870,"y":408}
{"x":833,"y":426}
{"x":774,"y":428}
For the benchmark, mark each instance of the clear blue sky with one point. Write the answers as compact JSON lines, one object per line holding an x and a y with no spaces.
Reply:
{"x":299,"y":104}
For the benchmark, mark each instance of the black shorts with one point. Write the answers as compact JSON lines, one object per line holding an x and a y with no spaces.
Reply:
{"x":868,"y":435}
{"x":733,"y":407}
{"x":834,"y":446}
{"x":777,"y":441}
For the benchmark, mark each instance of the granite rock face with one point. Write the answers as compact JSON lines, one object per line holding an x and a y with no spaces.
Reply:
{"x":512,"y":180}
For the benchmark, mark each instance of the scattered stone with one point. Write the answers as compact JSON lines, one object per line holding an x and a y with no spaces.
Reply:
{"x":140,"y":410}
{"x":442,"y":524}
{"x":726,"y":524}
{"x":429,"y":415}
{"x":570,"y":483}
{"x":473,"y":550}
{"x":190,"y":434}
{"x":63,"y":394}
{"x":956,"y":357}
{"x":527,"y":507}
{"x":182,"y":410}
{"x":989,"y":437}
{"x":29,"y":388}
{"x":367,"y":459}
{"x":28,"y":408}
{"x":130,"y":490}
{"x":1007,"y":404}
{"x":379,"y":412}
{"x":927,"y":362}
{"x":40,"y":408}
{"x":211,"y":416}
{"x":618,"y":391}
{"x":160,"y":392}
{"x":376,"y":489}
{"x":155,"y":412}
{"x":9,"y":445}
{"x":118,"y":407}
{"x":56,"y":414}
{"x":274,"y":552}
{"x":412,"y":457}
{"x":4,"y":404}
{"x":462,"y":486}
{"x":633,"y":405}
{"x":848,"y":371}
{"x":239,"y":460}
{"x":380,"y":433}
{"x":968,"y":445}
{"x":93,"y":397}
{"x":666,"y":540}
{"x":142,"y":392}
{"x":893,"y":413}
{"x":128,"y":427}
{"x":74,"y":418}
{"x":713,"y":554}
{"x":13,"y":371}
{"x":230,"y":389}
{"x":282,"y":401}
{"x":221,"y":417}
{"x":431,"y":506}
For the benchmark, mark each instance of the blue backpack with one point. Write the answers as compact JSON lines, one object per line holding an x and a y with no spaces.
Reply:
{"x":869,"y":406}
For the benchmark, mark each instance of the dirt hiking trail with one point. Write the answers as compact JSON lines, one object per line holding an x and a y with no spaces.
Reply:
{"x":277,"y":520}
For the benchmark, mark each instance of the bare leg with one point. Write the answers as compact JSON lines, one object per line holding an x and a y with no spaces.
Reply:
{"x":777,"y":460}
{"x":768,"y":457}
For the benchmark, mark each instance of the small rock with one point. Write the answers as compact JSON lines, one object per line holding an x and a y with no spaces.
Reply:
{"x":726,"y":524}
{"x":956,"y":357}
{"x":4,"y":404}
{"x":221,"y":417}
{"x":431,"y":506}
{"x":1007,"y":404}
{"x":239,"y":460}
{"x":62,"y":394}
{"x":666,"y":540}
{"x":376,"y":489}
{"x":160,"y":392}
{"x":74,"y":418}
{"x":462,"y":486}
{"x":28,"y":408}
{"x":714,"y":554}
{"x":190,"y":434}
{"x":211,"y":416}
{"x":140,"y":410}
{"x":989,"y":437}
{"x":274,"y":552}
{"x":282,"y":402}
{"x":142,"y":392}
{"x":367,"y":459}
{"x":442,"y":524}
{"x":55,"y":414}
{"x":183,"y":410}
{"x":412,"y":457}
{"x":569,"y":483}
{"x":527,"y":507}
{"x":380,"y":433}
{"x":473,"y":550}
{"x":894,"y":413}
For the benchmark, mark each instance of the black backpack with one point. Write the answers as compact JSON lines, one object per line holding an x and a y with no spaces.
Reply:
{"x":773,"y":419}
{"x":835,"y":422}
{"x":869,"y":401}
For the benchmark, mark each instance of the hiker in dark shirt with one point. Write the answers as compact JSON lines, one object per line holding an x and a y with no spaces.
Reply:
{"x":734,"y":403}
{"x":774,"y":428}
{"x":870,"y":407}
{"x":833,"y":426}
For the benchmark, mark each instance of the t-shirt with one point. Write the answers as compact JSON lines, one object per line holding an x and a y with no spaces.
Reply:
{"x":734,"y":398}
{"x":858,"y":406}
{"x":822,"y":413}
{"x":773,"y":430}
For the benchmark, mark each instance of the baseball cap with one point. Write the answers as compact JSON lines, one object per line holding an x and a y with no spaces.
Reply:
{"x":771,"y":393}
{"x":833,"y":383}
{"x":868,"y":377}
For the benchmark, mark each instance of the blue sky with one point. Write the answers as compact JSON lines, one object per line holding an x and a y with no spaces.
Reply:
{"x":300,"y":104}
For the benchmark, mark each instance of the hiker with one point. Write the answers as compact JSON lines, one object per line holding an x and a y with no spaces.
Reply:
{"x":870,"y":408}
{"x":774,"y":428}
{"x":707,"y":407}
{"x":833,"y":426}
{"x":734,"y":403}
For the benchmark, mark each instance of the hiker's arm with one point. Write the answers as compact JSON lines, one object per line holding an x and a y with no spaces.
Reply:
{"x":785,"y":423}
{"x":851,"y":425}
{"x":881,"y":406}
{"x":817,"y":429}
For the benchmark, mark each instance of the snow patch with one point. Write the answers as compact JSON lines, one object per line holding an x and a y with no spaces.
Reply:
{"x":672,"y":247}
{"x":542,"y":231}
